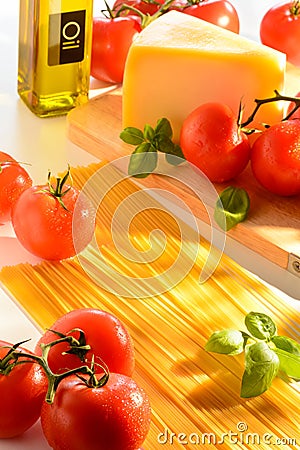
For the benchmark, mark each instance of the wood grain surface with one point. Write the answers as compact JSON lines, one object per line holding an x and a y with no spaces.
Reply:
{"x":272,"y":228}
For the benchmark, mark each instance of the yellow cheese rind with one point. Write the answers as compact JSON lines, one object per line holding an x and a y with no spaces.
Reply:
{"x":179,"y":62}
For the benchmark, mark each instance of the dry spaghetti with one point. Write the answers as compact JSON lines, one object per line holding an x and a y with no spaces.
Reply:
{"x":192,"y":392}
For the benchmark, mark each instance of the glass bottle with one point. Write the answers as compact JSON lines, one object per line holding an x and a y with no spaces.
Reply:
{"x":54,"y":54}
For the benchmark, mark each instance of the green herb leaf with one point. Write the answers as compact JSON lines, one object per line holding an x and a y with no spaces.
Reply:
{"x":231,"y":207}
{"x":287,"y":344}
{"x":132,"y":136}
{"x":164,"y":144}
{"x":178,"y":152}
{"x":163,"y":127}
{"x":261,"y":367}
{"x":288,"y":352}
{"x":142,"y":161}
{"x":151,"y":140}
{"x":176,"y":158}
{"x":228,"y":342}
{"x":173,"y":152}
{"x":289,"y":363}
{"x":260,"y":325}
{"x":149,"y":133}
{"x":264,"y":357}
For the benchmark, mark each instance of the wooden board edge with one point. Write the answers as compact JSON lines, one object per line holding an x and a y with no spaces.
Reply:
{"x":100,"y":148}
{"x":241,"y":233}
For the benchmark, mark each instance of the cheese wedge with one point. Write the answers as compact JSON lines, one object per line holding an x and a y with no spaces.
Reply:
{"x":179,"y":62}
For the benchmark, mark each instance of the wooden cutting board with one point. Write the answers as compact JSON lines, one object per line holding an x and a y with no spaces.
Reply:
{"x":272,"y":229}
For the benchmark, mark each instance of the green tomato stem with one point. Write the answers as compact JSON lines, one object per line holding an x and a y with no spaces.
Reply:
{"x":57,"y":191}
{"x":13,"y":358}
{"x":78,"y":347}
{"x":8,"y":362}
{"x":108,"y":10}
{"x":295,"y":8}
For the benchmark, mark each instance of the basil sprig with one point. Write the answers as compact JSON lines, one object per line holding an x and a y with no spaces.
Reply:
{"x":231,"y":207}
{"x":148,"y":142}
{"x":266,"y":353}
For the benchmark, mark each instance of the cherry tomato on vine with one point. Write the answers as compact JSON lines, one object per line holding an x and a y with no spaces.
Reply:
{"x":53,"y":222}
{"x":111,"y":40}
{"x":218,"y":12}
{"x":211,"y":140}
{"x":13,"y":181}
{"x":280,"y":29}
{"x":115,"y":416}
{"x":107,"y":336}
{"x":275,"y":158}
{"x":22,"y":394}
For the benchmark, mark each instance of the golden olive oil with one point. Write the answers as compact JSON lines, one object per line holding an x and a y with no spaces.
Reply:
{"x":54,"y":54}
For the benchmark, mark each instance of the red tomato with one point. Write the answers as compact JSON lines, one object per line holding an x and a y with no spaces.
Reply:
{"x":145,"y":7}
{"x":179,"y":5}
{"x":115,"y":416}
{"x":210,"y":139}
{"x":110,"y":44}
{"x":275,"y":158}
{"x":47,"y":229}
{"x":22,"y":393}
{"x":13,"y":181}
{"x":280,"y":29}
{"x":218,"y":12}
{"x":296,"y":114}
{"x":107,"y":336}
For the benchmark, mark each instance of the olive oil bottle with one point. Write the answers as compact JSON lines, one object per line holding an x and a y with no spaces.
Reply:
{"x":54,"y":54}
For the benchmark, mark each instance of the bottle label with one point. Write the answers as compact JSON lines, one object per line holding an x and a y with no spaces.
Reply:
{"x":66,"y":38}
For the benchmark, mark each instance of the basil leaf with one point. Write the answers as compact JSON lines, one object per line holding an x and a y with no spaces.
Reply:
{"x":289,"y":363}
{"x":164,"y":144}
{"x":178,"y":152}
{"x":142,"y":161}
{"x":163,"y":126}
{"x":260,"y":325}
{"x":228,"y":342}
{"x":231,"y":207}
{"x":261,"y":367}
{"x":287,"y":344}
{"x":148,"y":132}
{"x":176,"y":158}
{"x":151,"y":140}
{"x":132,"y":135}
{"x":172,"y":151}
